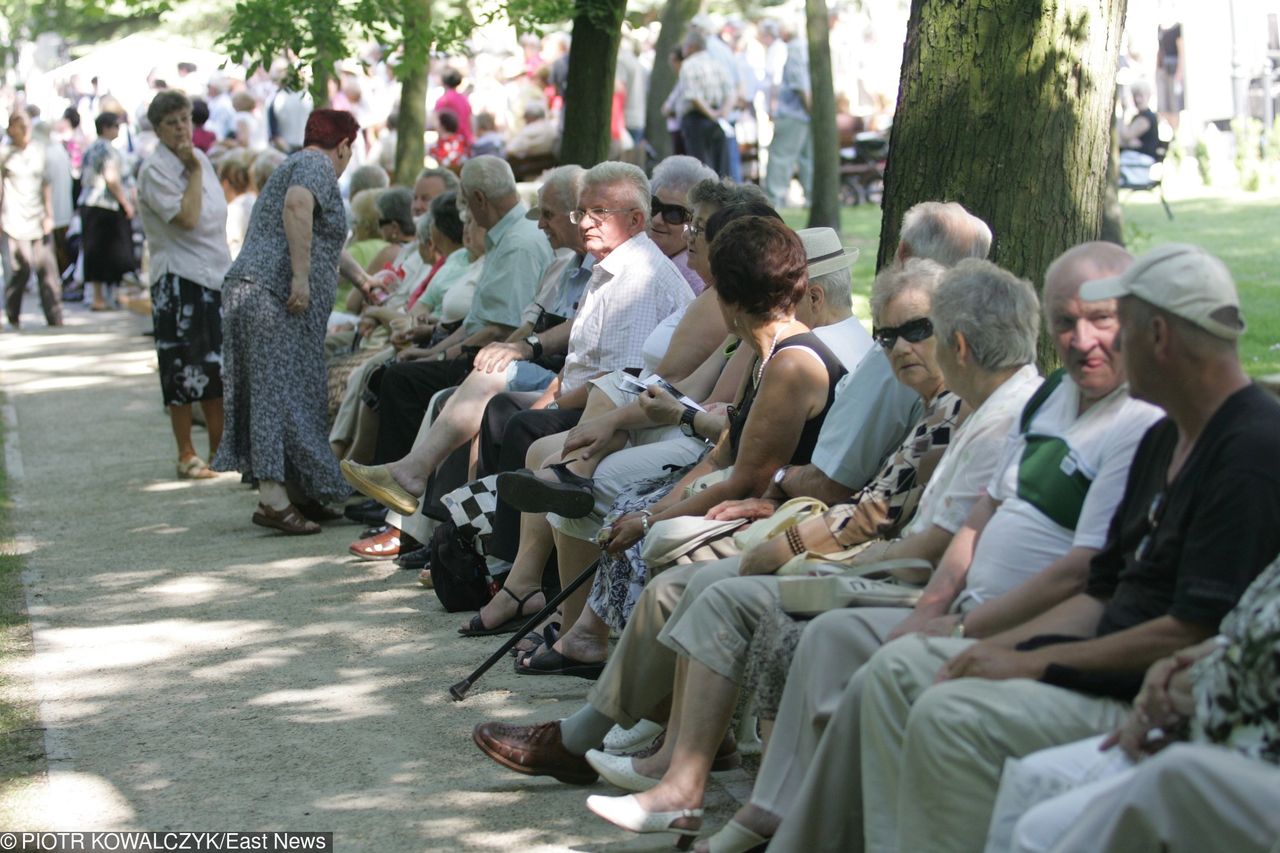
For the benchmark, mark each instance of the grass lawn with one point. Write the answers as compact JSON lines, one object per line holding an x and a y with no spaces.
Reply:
{"x":1232,"y":225}
{"x":21,"y":741}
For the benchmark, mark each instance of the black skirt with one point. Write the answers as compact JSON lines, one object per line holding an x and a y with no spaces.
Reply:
{"x":108,"y":245}
{"x":188,"y":321}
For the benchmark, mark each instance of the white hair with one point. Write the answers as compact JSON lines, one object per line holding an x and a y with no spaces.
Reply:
{"x":679,"y":172}
{"x":944,"y":232}
{"x":995,"y":310}
{"x":631,"y":178}
{"x":489,"y":175}
{"x":837,"y":286}
{"x":564,"y":183}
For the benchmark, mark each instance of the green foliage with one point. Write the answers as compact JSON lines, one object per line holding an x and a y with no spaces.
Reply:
{"x":1248,"y":137}
{"x":79,"y":21}
{"x":1203,"y":164}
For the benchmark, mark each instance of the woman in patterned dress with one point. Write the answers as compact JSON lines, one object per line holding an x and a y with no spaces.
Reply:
{"x":276,"y":303}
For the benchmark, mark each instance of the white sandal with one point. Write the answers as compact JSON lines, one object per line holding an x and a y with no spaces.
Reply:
{"x":627,"y":813}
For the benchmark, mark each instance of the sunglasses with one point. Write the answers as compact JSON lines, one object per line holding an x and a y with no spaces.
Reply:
{"x":912,"y":331}
{"x":672,"y":214}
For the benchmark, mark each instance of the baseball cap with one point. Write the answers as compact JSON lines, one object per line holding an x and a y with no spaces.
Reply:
{"x":1182,"y":279}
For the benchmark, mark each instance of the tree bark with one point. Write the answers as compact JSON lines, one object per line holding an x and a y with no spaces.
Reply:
{"x":588,"y":97}
{"x":412,"y":73}
{"x":1005,"y":106}
{"x":824,"y":202}
{"x":676,"y":15}
{"x":1112,"y":213}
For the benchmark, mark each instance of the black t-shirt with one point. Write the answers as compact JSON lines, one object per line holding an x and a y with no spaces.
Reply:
{"x":1149,"y":141}
{"x":1216,"y":526}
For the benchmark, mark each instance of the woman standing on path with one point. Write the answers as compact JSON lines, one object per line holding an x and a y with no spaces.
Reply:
{"x":279,"y":294}
{"x":105,"y":213}
{"x":184,"y":215}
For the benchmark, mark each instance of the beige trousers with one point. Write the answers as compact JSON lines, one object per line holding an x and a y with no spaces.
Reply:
{"x":930,"y":756}
{"x":641,"y":670}
{"x":833,"y":647}
{"x":1187,"y":799}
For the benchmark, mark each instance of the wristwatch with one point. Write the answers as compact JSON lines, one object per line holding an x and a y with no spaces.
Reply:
{"x":686,"y":421}
{"x":780,"y":475}
{"x":535,"y":345}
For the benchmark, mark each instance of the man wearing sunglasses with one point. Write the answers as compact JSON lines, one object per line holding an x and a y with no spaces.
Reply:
{"x":1064,"y":653}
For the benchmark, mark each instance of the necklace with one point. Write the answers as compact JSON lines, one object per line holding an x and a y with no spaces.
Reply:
{"x":773,"y":346}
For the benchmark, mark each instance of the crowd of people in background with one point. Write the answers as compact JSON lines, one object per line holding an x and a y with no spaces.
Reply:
{"x":914,"y":560}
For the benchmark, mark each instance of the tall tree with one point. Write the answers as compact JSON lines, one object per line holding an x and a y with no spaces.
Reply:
{"x":676,"y":15}
{"x":410,"y":146}
{"x":588,"y":103}
{"x":824,"y":200}
{"x":1005,"y":106}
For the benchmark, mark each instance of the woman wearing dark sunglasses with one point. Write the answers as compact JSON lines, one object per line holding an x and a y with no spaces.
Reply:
{"x":670,"y":211}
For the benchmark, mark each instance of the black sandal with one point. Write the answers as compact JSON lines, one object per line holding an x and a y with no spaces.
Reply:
{"x":551,"y":662}
{"x":476,"y":628}
{"x":570,"y":497}
{"x":537,"y":639}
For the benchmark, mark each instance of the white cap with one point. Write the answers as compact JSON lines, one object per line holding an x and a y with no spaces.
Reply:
{"x":1184,"y":280}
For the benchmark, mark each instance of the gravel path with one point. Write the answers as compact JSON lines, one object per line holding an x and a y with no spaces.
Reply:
{"x":194,"y":672}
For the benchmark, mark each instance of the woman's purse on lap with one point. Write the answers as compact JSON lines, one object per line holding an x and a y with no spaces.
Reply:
{"x":689,"y":539}
{"x":838,"y":585}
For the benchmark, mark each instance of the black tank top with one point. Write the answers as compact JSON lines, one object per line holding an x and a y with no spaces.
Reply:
{"x":1148,"y":142}
{"x":809,"y":435}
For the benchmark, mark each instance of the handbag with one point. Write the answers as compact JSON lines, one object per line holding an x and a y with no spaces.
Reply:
{"x":691,"y":539}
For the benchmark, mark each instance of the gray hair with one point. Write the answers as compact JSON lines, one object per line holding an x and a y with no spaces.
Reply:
{"x":422,"y":228}
{"x":564,"y":183}
{"x":679,"y":173}
{"x":489,"y":175}
{"x":264,"y":165}
{"x":367,"y":177}
{"x":634,"y":183}
{"x":894,"y":280}
{"x":451,"y":182}
{"x":996,"y":311}
{"x":694,"y":42}
{"x":397,"y":203}
{"x":166,"y":103}
{"x":769,"y":27}
{"x":944,"y":232}
{"x":723,"y":192}
{"x":837,"y":286}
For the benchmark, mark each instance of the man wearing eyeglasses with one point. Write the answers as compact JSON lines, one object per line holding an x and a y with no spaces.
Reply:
{"x":1199,"y":519}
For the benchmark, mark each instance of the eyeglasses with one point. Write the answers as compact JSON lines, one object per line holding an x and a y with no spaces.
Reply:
{"x":597,"y":214}
{"x":672,"y":214}
{"x":912,"y":331}
{"x":695,"y":231}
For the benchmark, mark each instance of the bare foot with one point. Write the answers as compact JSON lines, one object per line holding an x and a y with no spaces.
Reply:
{"x":665,"y":798}
{"x":408,"y":480}
{"x":502,"y":607}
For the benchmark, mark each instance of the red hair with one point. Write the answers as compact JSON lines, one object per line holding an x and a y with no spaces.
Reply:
{"x":328,"y":128}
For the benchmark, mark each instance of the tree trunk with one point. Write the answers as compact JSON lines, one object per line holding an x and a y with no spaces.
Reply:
{"x":588,"y":97}
{"x":412,"y":73}
{"x":1112,"y":214}
{"x":676,"y":15}
{"x":824,"y":201}
{"x":1005,"y":106}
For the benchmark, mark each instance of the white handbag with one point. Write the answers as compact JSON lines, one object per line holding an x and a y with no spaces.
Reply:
{"x":837,"y":585}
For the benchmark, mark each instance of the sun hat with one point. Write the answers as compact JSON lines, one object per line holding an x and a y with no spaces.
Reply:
{"x":1182,"y":279}
{"x":823,"y":250}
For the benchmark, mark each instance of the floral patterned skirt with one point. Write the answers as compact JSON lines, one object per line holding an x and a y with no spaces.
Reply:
{"x":188,"y":323}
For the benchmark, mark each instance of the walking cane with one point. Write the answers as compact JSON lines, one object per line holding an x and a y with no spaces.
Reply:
{"x":458,"y":692}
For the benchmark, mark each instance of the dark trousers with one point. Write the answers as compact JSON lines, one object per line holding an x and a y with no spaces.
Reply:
{"x":508,"y":429}
{"x":28,"y":255}
{"x":704,"y":140}
{"x":404,"y":393}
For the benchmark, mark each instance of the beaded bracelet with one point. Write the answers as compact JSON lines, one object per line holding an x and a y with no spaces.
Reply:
{"x":794,"y":541}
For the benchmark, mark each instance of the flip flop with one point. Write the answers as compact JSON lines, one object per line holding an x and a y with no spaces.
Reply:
{"x":551,"y":662}
{"x":570,"y":496}
{"x":476,"y":628}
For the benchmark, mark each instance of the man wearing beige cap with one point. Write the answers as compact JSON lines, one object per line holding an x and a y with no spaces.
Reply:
{"x":930,"y":721}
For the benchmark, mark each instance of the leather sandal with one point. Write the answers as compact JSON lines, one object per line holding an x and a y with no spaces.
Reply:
{"x":476,"y":628}
{"x":548,"y":661}
{"x":569,"y":496}
{"x":380,"y":546}
{"x":537,"y":639}
{"x":287,"y":520}
{"x":195,"y":468}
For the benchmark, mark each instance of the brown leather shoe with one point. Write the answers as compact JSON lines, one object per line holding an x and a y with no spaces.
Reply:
{"x":287,"y":520}
{"x":534,"y":751}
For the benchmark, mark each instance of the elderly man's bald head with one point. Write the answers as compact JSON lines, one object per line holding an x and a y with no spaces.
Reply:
{"x":1084,"y":333}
